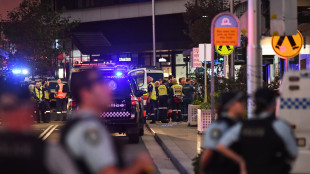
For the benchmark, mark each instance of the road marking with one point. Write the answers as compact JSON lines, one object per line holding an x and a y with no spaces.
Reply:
{"x":49,"y":133}
{"x":43,"y":133}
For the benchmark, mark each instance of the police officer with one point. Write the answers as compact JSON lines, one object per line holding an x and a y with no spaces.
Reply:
{"x":61,"y":100}
{"x":39,"y":96}
{"x":188,"y":91}
{"x":20,"y":150}
{"x":231,"y":107}
{"x":176,"y":91}
{"x":47,"y":93}
{"x":265,"y":144}
{"x":85,"y":137}
{"x":163,"y":102}
{"x":156,"y":84}
{"x":151,"y":99}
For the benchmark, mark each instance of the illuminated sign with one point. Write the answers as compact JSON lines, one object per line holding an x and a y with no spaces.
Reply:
{"x":124,"y":59}
{"x":162,"y":59}
{"x":225,"y":50}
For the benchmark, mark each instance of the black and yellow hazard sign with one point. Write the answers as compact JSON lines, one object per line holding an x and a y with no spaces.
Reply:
{"x":224,"y":50}
{"x":287,"y":46}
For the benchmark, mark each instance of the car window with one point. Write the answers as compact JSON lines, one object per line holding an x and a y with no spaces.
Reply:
{"x":156,"y":76}
{"x":138,"y":77}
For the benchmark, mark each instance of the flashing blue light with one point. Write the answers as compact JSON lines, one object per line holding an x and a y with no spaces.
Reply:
{"x":25,"y":71}
{"x":16,"y":71}
{"x":118,"y":73}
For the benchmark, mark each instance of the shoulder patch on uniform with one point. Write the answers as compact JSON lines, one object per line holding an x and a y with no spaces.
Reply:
{"x":216,"y":133}
{"x":92,"y":136}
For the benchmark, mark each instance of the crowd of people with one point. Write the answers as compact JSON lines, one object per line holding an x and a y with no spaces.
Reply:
{"x":170,"y":94}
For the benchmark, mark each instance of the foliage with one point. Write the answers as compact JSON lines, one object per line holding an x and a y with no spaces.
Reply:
{"x":197,"y":102}
{"x":198,"y":17}
{"x":275,"y":84}
{"x":206,"y":105}
{"x":33,"y":29}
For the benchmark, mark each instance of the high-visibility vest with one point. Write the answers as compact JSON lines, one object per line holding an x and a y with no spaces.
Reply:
{"x":46,"y":94}
{"x":60,"y":93}
{"x":153,"y":97}
{"x":177,"y":90}
{"x":162,"y":90}
{"x":38,"y":93}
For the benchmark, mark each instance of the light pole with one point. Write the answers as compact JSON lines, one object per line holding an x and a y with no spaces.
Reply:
{"x":153,"y":25}
{"x":254,"y":61}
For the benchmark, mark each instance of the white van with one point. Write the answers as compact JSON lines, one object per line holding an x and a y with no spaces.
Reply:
{"x":140,"y":76}
{"x":294,"y":107}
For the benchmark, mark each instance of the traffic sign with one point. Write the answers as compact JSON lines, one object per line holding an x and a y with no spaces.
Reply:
{"x":226,"y":30}
{"x":287,"y":46}
{"x":224,"y":50}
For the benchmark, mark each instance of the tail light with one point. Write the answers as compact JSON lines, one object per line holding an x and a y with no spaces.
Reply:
{"x":72,"y":104}
{"x":144,"y":97}
{"x":133,"y":101}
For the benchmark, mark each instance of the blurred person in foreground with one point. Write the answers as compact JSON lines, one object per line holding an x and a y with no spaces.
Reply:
{"x":231,"y":108}
{"x":20,"y":150}
{"x":86,"y":139}
{"x":264,"y":143}
{"x":188,"y":91}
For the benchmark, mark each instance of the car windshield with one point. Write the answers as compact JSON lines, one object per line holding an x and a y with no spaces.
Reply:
{"x":156,"y":76}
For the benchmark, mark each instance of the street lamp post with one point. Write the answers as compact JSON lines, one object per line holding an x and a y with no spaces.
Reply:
{"x":254,"y":62}
{"x":153,"y":25}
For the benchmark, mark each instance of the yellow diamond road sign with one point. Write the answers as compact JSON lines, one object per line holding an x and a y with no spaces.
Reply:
{"x":287,"y":46}
{"x":224,"y":50}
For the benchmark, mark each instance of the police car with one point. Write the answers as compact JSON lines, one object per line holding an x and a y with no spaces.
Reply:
{"x":125,"y":114}
{"x":139,"y":75}
{"x":294,"y":107}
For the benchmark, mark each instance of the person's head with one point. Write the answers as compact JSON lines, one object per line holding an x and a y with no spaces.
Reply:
{"x":265,"y":101}
{"x":149,"y":79}
{"x":188,"y":81}
{"x":156,"y":83}
{"x":38,"y":85}
{"x":170,"y":77}
{"x":233,"y":103}
{"x":44,"y":82}
{"x":164,"y":82}
{"x":183,"y":80}
{"x":194,"y":81}
{"x":90,"y":90}
{"x":59,"y":81}
{"x":16,"y":107}
{"x":160,"y":81}
{"x":180,"y":80}
{"x":32,"y":80}
{"x":174,"y":81}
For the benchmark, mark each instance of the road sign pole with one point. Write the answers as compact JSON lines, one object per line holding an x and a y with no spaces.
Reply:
{"x":226,"y":67}
{"x":254,"y":61}
{"x":286,"y":66}
{"x":232,"y":56}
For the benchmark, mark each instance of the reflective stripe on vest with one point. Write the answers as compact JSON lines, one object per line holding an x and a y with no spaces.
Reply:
{"x":177,"y":90}
{"x":162,"y":90}
{"x":153,"y":97}
{"x":38,"y":93}
{"x":60,"y":93}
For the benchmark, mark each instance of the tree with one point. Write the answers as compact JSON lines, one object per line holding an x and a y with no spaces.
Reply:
{"x":199,"y":15}
{"x":38,"y":32}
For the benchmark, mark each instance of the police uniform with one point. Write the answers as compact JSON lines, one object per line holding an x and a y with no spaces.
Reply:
{"x":151,"y":105}
{"x":188,"y":91}
{"x":24,"y":153}
{"x":265,"y":143}
{"x":163,"y":103}
{"x":61,"y":101}
{"x":218,"y":163}
{"x":39,"y":97}
{"x":176,"y":91}
{"x":46,"y":90}
{"x":88,"y":142}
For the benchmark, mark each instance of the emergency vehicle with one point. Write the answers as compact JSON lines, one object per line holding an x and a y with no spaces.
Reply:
{"x":294,"y":107}
{"x":125,"y":113}
{"x":140,"y":77}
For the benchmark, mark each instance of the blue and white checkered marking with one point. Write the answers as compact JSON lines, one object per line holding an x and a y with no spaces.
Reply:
{"x":295,"y":103}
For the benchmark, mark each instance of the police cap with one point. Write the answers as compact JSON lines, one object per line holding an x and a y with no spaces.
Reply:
{"x":265,"y":97}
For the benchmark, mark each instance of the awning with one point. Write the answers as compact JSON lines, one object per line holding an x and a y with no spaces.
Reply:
{"x":90,"y":42}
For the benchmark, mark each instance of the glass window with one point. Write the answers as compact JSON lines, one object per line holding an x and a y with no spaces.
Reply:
{"x":138,"y":77}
